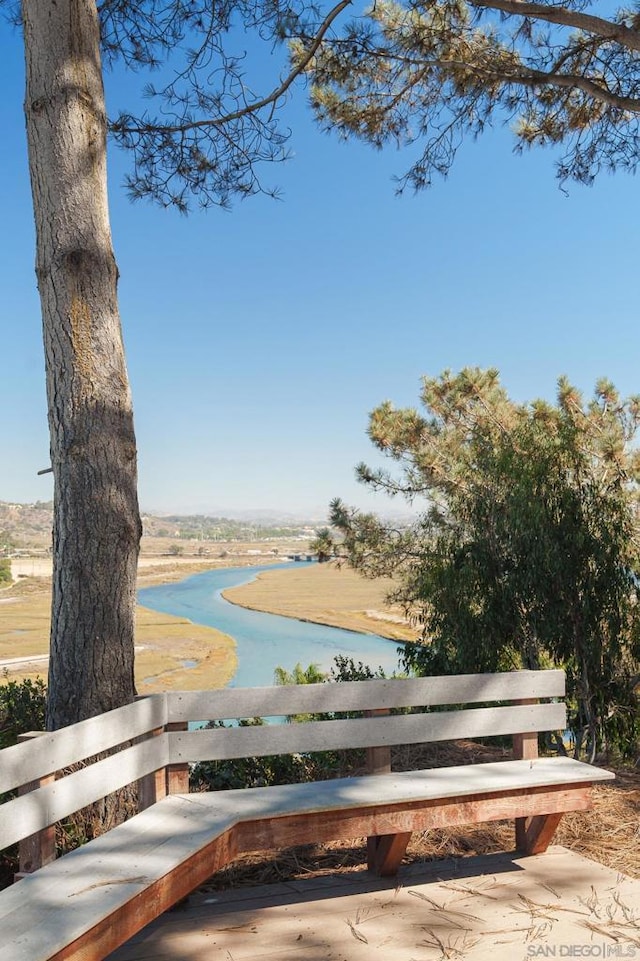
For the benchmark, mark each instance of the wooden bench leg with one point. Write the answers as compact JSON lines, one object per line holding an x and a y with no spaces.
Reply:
{"x":384,"y":853}
{"x":521,"y":833}
{"x":534,"y":835}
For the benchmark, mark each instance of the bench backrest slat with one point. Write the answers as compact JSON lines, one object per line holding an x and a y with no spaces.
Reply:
{"x":34,"y":811}
{"x":227,"y":743}
{"x":230,"y":703}
{"x":56,"y":750}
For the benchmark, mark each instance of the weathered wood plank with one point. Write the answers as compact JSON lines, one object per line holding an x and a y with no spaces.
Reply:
{"x":525,"y":747}
{"x":378,"y":758}
{"x":232,"y":703}
{"x":34,"y":811}
{"x":406,"y":817}
{"x":56,"y":750}
{"x":378,"y":762}
{"x":227,"y":743}
{"x":95,"y":898}
{"x":93,"y":880}
{"x":110,"y":932}
{"x":177,"y":774}
{"x":408,"y":786}
{"x":152,"y":787}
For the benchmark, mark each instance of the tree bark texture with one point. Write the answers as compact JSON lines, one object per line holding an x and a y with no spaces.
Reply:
{"x":93,"y":451}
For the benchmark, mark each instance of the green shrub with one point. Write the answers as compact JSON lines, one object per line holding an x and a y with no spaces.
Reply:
{"x":250,"y":771}
{"x":5,"y":570}
{"x":346,"y":669}
{"x":22,"y":708}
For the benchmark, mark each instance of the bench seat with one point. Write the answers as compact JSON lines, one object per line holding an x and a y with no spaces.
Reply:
{"x":94,"y":898}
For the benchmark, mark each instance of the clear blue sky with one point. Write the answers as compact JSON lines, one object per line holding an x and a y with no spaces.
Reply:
{"x":259,"y":339}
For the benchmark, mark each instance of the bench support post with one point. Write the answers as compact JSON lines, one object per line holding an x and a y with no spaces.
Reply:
{"x":38,"y":849}
{"x":177,"y":774}
{"x":152,"y":787}
{"x":384,"y":852}
{"x":385,"y":855}
{"x":539,"y":832}
{"x":533,"y":835}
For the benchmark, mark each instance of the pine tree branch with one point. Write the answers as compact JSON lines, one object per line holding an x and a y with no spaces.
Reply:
{"x":250,"y":108}
{"x":533,"y":78}
{"x":618,"y":32}
{"x":528,"y":77}
{"x":577,"y":81}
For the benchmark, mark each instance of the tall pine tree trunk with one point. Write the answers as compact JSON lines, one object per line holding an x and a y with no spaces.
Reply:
{"x":93,"y":452}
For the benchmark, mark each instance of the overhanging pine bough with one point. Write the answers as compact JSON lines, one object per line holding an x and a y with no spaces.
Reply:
{"x":429,"y":73}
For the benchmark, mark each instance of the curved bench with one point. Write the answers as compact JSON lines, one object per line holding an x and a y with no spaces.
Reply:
{"x":95,"y":898}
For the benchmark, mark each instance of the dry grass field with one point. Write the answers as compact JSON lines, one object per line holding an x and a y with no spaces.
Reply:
{"x":166,"y":646}
{"x":326,"y":594}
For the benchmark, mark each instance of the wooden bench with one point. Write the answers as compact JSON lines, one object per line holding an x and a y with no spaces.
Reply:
{"x":90,"y":901}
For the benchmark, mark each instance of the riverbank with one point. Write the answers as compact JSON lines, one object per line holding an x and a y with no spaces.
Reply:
{"x":327,"y":594}
{"x":172,"y":653}
{"x":152,"y":568}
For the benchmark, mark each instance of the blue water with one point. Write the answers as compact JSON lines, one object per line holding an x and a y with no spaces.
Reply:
{"x":264,"y":641}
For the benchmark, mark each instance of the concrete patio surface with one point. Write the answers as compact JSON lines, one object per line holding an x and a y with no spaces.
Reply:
{"x":502,"y":906}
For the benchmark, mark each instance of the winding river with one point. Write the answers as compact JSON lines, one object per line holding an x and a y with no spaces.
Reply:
{"x":264,"y":641}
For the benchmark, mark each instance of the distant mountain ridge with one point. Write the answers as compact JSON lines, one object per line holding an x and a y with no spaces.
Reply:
{"x":11,"y":511}
{"x":30,"y":525}
{"x":254,"y":514}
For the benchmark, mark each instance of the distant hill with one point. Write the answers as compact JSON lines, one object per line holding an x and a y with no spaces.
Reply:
{"x":28,"y":526}
{"x":205,"y":527}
